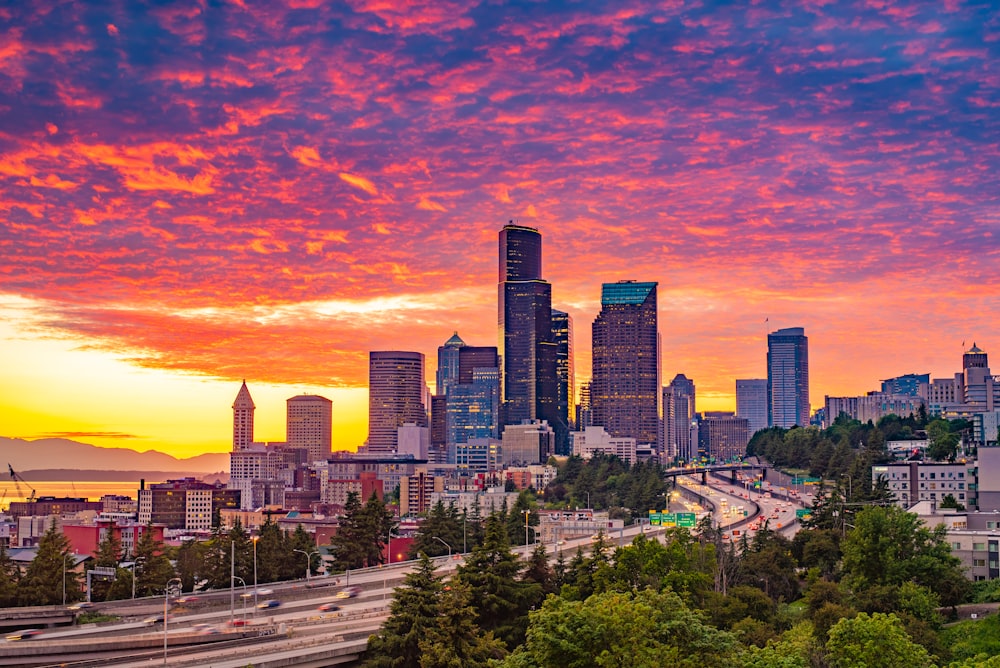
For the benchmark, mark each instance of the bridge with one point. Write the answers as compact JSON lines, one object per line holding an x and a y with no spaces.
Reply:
{"x":705,"y":469}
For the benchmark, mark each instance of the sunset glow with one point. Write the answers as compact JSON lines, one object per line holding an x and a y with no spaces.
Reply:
{"x":193,"y":195}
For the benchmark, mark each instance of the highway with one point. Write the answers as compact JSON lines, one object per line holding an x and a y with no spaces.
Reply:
{"x":224,"y":629}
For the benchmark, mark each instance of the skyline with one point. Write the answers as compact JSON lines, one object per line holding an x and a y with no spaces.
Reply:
{"x":190,"y":197}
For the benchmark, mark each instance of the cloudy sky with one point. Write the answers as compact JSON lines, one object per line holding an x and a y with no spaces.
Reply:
{"x":196,"y":193}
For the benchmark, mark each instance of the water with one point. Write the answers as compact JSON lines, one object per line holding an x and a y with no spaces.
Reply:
{"x":87,"y":490}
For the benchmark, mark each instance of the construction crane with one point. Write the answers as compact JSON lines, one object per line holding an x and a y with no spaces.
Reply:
{"x":16,"y":477}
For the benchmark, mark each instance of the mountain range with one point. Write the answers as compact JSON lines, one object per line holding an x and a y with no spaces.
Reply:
{"x":62,"y":453}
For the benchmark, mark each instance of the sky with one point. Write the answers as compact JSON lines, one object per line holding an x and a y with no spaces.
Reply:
{"x":196,"y":193}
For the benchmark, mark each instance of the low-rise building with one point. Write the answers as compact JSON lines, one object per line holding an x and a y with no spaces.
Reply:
{"x":914,"y":481}
{"x":592,"y":440}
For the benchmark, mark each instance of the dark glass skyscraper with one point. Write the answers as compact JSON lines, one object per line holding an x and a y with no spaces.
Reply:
{"x":527,"y":350}
{"x":562,"y":333}
{"x":625,"y":385}
{"x":788,"y":378}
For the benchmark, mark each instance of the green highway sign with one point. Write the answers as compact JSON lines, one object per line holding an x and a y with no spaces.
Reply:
{"x":803,"y":512}
{"x":655,"y":518}
{"x":669,"y":519}
{"x":686,"y":519}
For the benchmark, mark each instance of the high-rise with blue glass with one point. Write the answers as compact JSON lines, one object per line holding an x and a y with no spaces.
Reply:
{"x":788,"y":377}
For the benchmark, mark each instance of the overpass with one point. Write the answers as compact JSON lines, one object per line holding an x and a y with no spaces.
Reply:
{"x":705,"y":469}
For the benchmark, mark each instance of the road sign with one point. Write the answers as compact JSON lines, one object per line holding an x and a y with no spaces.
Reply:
{"x":655,"y":518}
{"x":801,"y":513}
{"x":686,"y":519}
{"x":669,"y":519}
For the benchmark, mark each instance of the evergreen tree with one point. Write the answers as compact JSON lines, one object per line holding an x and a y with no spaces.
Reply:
{"x":9,"y":575}
{"x":455,"y":641}
{"x":301,"y":540}
{"x":416,"y":606}
{"x":500,"y":599}
{"x":540,"y":572}
{"x":190,"y":557}
{"x":107,"y":555}
{"x":154,"y":570}
{"x":274,"y":556}
{"x":50,"y":572}
{"x":346,"y":545}
{"x":441,"y":522}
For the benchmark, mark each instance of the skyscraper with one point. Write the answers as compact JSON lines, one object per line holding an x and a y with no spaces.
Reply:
{"x":243,"y":409}
{"x":751,"y":402}
{"x":625,"y":384}
{"x":309,"y":425}
{"x":467,"y":405}
{"x":395,"y":396}
{"x":678,"y":414}
{"x":527,"y":350}
{"x":562,"y":334}
{"x":788,"y":377}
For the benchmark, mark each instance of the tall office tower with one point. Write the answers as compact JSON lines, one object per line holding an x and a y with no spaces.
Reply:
{"x":678,"y":414}
{"x":243,"y":409}
{"x":625,"y":384}
{"x":751,"y":402}
{"x":723,"y":435}
{"x":562,"y":333}
{"x":309,"y":426}
{"x":473,"y":408}
{"x":912,"y":384}
{"x":584,"y":414}
{"x":527,"y":350}
{"x":395,"y":396}
{"x":448,"y":361}
{"x":788,"y":378}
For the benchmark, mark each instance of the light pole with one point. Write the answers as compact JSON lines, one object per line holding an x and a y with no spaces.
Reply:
{"x":65,"y":568}
{"x":166,"y":598}
{"x":308,"y":556}
{"x":526,"y":514}
{"x":255,"y":539}
{"x":244,"y":596}
{"x":135,"y":565}
{"x":443,"y":543}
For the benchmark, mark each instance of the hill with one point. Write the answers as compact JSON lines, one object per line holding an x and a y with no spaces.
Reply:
{"x":49,"y":453}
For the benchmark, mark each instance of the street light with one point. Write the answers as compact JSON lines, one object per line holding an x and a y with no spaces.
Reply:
{"x":443,"y":543}
{"x":244,"y":596}
{"x":135,"y":563}
{"x":166,"y":597}
{"x":308,"y":556}
{"x":526,"y":514}
{"x":255,"y":539}
{"x":65,"y":568}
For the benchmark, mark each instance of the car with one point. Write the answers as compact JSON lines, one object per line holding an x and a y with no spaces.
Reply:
{"x":329,"y":607}
{"x":82,"y":605}
{"x":186,"y":599}
{"x":238,"y":622}
{"x":153,"y":619}
{"x":268,"y":604}
{"x":265,"y":592}
{"x":349,"y":592}
{"x":26,"y":634}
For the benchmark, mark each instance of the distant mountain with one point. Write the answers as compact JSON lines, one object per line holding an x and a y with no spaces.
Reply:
{"x":48,"y":453}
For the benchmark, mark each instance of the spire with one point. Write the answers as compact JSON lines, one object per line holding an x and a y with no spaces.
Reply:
{"x":243,"y":398}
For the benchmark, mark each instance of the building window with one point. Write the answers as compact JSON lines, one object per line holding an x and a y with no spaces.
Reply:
{"x":979,"y":546}
{"x":956,"y":546}
{"x":991,"y":525}
{"x":981,"y":563}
